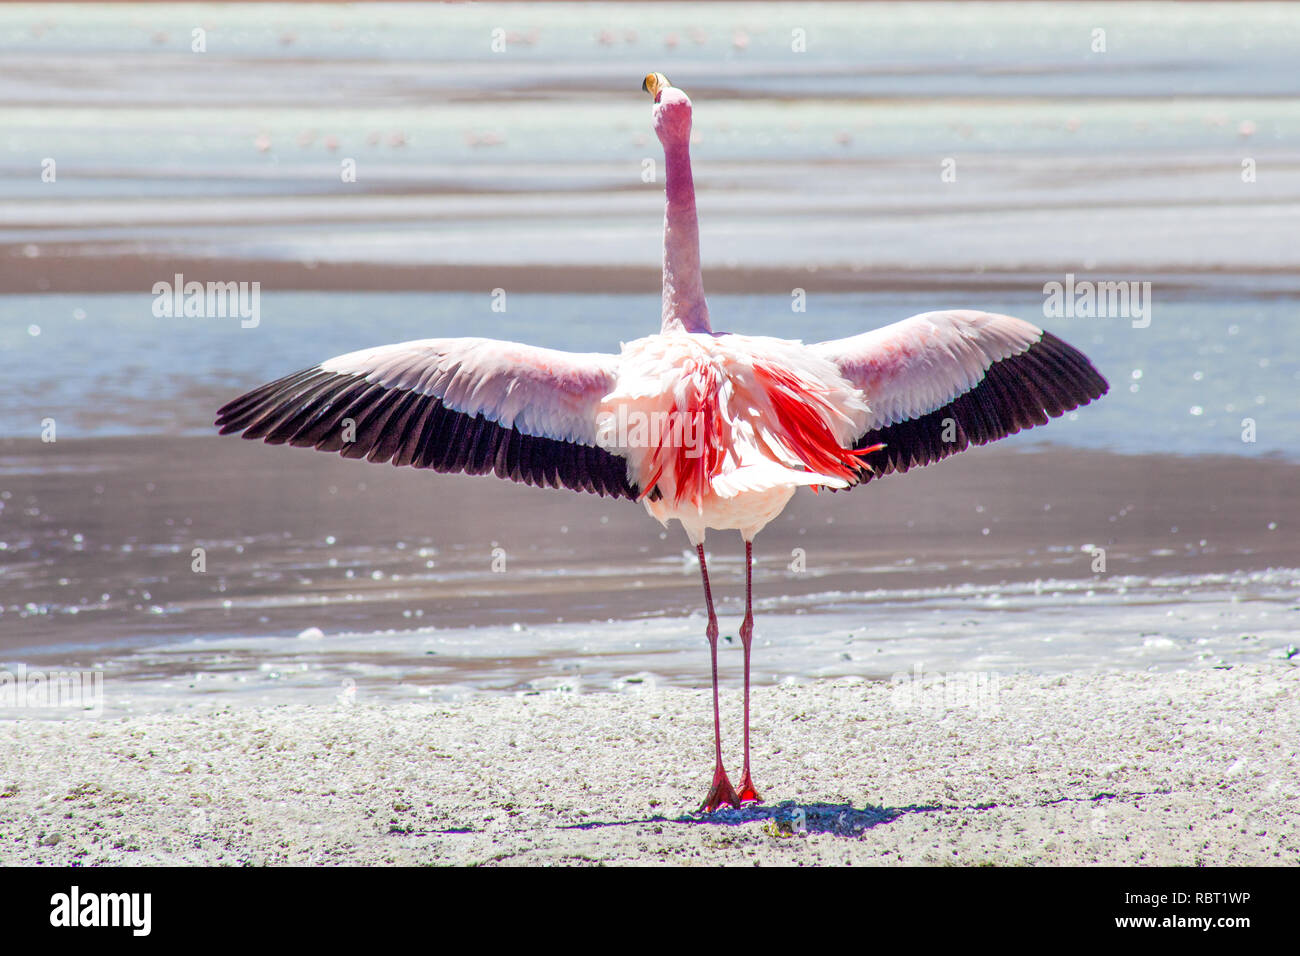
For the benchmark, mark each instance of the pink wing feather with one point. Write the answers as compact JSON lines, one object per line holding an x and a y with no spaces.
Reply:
{"x":940,"y":382}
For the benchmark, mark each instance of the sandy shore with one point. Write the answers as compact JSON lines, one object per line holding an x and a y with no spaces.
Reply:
{"x":1188,"y":768}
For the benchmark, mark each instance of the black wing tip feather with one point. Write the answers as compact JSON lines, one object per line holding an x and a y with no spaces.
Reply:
{"x":1022,"y":391}
{"x":307,"y":410}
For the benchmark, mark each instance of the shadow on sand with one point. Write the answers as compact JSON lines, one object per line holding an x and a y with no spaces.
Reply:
{"x":840,"y":819}
{"x":788,"y":818}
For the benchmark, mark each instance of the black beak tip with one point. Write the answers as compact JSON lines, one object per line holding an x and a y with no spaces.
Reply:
{"x":645,"y":88}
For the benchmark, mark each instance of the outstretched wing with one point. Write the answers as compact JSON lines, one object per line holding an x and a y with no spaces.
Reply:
{"x":468,"y":405}
{"x":940,"y":382}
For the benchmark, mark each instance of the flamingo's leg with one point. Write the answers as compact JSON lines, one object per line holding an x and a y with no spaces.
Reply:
{"x":747,"y":791}
{"x":721,"y":791}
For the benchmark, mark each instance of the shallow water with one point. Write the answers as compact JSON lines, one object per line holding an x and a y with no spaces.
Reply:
{"x":1127,"y":159}
{"x":102,"y":364}
{"x":969,"y":636}
{"x":821,"y":167}
{"x":403,"y":582}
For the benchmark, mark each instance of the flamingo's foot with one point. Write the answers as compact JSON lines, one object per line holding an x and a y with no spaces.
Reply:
{"x":747,"y":792}
{"x":721,"y":792}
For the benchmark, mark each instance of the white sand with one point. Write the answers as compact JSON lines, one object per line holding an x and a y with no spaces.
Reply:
{"x":1183,"y":768}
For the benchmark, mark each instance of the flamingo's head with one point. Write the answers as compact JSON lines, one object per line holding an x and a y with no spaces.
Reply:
{"x":672,"y":110}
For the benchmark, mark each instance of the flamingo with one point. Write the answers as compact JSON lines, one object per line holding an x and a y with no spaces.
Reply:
{"x":716,"y":430}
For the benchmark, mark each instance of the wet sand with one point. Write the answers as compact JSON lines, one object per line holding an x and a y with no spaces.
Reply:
{"x":1188,"y":769}
{"x":294,"y":538}
{"x":82,"y":267}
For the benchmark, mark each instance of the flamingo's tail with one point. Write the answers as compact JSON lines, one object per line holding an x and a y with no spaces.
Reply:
{"x":802,"y":412}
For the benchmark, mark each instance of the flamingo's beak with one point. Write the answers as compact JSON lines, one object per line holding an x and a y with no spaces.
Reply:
{"x":654,"y":84}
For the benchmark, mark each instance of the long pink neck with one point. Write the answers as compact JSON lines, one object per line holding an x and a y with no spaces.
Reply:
{"x":684,"y":306}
